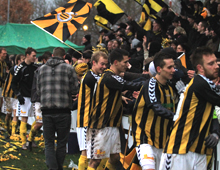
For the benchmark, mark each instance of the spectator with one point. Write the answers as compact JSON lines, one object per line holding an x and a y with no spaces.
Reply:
{"x":86,"y":40}
{"x":57,"y":82}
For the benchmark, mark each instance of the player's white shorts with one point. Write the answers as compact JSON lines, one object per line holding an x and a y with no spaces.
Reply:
{"x":9,"y":104}
{"x":81,"y":136}
{"x":37,"y":112}
{"x":3,"y":110}
{"x":189,"y":161}
{"x":103,"y":142}
{"x":148,"y":156}
{"x":14,"y":103}
{"x":25,"y":110}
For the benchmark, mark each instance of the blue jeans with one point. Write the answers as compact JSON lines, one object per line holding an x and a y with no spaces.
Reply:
{"x":59,"y":123}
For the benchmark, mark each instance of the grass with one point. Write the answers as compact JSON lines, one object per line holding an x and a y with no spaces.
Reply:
{"x":34,"y":160}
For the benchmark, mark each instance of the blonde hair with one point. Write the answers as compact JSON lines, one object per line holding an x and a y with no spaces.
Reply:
{"x":180,"y":30}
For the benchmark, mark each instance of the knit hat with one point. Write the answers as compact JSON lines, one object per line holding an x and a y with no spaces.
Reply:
{"x":88,"y":37}
{"x":134,"y":43}
{"x":76,"y":55}
{"x":81,"y":69}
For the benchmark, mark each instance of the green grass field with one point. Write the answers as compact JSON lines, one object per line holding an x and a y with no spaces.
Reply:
{"x":34,"y":160}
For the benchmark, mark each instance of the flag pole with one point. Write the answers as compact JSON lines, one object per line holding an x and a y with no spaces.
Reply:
{"x":72,"y":48}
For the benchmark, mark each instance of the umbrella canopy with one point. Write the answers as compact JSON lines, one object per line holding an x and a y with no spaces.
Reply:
{"x":17,"y":37}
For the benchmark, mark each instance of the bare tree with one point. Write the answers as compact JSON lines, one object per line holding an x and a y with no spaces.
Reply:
{"x":19,"y":11}
{"x":41,"y":7}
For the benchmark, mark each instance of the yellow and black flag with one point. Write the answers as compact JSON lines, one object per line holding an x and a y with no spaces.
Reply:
{"x":152,"y":7}
{"x":64,"y":21}
{"x":102,"y":22}
{"x":182,"y":58}
{"x":145,"y":18}
{"x":109,"y":10}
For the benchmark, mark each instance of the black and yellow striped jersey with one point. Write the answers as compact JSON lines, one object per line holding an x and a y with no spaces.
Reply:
{"x":195,"y":117}
{"x":7,"y":90}
{"x":3,"y":72}
{"x":107,"y":100}
{"x":148,"y":125}
{"x":86,"y":92}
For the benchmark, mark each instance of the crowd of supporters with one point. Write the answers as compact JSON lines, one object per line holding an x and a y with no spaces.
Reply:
{"x":132,"y":54}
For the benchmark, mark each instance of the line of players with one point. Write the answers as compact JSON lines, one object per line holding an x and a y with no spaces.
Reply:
{"x":164,"y":137}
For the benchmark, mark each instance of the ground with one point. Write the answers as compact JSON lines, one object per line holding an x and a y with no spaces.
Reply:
{"x":11,"y":155}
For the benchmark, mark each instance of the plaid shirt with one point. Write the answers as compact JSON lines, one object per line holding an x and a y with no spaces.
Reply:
{"x":56,"y":83}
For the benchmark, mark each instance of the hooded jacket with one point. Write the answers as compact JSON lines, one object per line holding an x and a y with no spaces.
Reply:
{"x":56,"y":83}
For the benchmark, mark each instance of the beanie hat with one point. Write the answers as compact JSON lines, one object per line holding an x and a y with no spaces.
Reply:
{"x":76,"y":55}
{"x":81,"y":69}
{"x":88,"y":37}
{"x":134,"y":43}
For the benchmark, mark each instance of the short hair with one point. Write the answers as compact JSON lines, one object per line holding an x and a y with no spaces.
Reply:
{"x":87,"y":54}
{"x":159,"y":59}
{"x":58,"y":52}
{"x":39,"y":59}
{"x":29,"y":50}
{"x":184,"y":46}
{"x":68,"y":57}
{"x":197,"y":56}
{"x":180,"y":30}
{"x":46,"y":55}
{"x":117,"y":54}
{"x":18,"y":57}
{"x":204,"y":24}
{"x":1,"y":49}
{"x":97,"y":55}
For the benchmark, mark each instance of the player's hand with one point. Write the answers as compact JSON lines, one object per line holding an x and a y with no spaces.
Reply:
{"x":135,"y":94}
{"x":21,"y":99}
{"x":211,"y":140}
{"x":125,"y":99}
{"x":191,"y":73}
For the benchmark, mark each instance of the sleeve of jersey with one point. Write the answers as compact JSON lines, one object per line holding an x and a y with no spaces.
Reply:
{"x":113,"y":81}
{"x":134,"y":86}
{"x":15,"y":81}
{"x":215,"y":127}
{"x":152,"y":99}
{"x":206,"y":89}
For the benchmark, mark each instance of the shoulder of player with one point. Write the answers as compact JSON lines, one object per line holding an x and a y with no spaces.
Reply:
{"x":109,"y":75}
{"x":201,"y":81}
{"x":90,"y":77}
{"x":19,"y":68}
{"x":37,"y":65}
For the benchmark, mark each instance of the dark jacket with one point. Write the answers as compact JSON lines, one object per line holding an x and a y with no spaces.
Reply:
{"x":88,"y":46}
{"x":23,"y":78}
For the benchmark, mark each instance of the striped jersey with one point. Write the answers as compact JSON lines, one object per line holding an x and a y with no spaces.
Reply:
{"x":7,"y":90}
{"x":195,"y":117}
{"x":86,"y":92}
{"x":3,"y":73}
{"x":107,"y":100}
{"x":147,"y":126}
